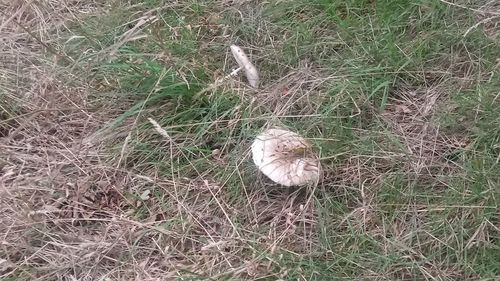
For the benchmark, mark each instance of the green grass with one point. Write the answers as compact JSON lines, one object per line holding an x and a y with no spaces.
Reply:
{"x":374,"y":217}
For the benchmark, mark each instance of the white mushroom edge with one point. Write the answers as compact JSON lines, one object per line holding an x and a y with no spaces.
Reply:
{"x":286,"y":158}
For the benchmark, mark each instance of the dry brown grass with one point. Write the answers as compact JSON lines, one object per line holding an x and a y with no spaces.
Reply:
{"x":52,"y":179}
{"x":489,"y":18}
{"x":63,"y":207}
{"x":410,"y":115}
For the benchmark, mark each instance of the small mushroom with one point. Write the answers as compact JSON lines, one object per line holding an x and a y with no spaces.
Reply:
{"x":286,"y":158}
{"x":250,"y":71}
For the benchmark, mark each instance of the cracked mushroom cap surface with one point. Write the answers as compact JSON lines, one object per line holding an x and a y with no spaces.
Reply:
{"x":285,"y":157}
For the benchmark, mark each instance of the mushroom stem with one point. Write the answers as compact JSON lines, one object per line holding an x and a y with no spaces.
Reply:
{"x":250,"y":70}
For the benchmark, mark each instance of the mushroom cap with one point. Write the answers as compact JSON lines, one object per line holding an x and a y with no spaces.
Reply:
{"x":285,"y":157}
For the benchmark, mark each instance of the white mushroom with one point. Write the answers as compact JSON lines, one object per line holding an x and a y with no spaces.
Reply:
{"x":285,"y":157}
{"x":244,"y":63}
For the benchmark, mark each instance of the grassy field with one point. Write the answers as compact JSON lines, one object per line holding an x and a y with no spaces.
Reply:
{"x":400,"y":99}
